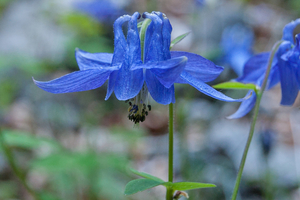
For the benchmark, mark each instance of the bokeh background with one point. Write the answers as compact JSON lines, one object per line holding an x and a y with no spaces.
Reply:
{"x":78,"y":146}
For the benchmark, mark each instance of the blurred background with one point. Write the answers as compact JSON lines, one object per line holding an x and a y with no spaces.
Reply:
{"x":78,"y":146}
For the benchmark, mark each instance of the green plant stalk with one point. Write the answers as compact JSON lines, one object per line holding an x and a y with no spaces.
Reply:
{"x":170,"y":190}
{"x":255,"y":114}
{"x":268,"y":193}
{"x":13,"y":166}
{"x":143,"y":30}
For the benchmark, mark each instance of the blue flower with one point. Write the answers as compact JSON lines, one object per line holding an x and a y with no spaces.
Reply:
{"x":285,"y":69}
{"x":105,"y":11}
{"x":200,"y":2}
{"x":134,"y":72}
{"x":236,"y":45}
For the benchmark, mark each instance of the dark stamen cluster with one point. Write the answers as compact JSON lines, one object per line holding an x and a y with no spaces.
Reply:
{"x":137,"y":113}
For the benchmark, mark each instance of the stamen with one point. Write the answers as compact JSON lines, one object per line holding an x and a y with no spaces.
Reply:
{"x":138,"y":106}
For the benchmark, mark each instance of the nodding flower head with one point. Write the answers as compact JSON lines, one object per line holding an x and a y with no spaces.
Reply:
{"x":285,"y":69}
{"x":141,"y":66}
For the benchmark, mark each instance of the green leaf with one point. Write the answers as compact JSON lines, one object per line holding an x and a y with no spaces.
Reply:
{"x":26,"y":140}
{"x":178,"y":39}
{"x":236,"y":85}
{"x":47,"y":196}
{"x":188,"y":185}
{"x":139,"y":185}
{"x":147,"y":176}
{"x":8,"y":189}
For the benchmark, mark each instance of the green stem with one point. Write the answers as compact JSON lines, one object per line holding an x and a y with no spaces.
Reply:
{"x":13,"y":165}
{"x":143,"y":30}
{"x":170,"y":191}
{"x":255,"y":114}
{"x":268,"y":193}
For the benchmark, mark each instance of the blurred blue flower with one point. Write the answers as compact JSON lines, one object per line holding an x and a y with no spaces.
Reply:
{"x":132,"y":78}
{"x":236,"y":44}
{"x":267,"y":139}
{"x":104,"y":11}
{"x":200,"y":2}
{"x":285,"y":69}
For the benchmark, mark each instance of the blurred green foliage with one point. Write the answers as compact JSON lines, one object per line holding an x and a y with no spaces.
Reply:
{"x":82,"y":24}
{"x":21,"y":139}
{"x":70,"y":174}
{"x":8,"y":90}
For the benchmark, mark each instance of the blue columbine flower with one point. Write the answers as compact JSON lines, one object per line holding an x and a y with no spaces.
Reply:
{"x":105,"y":11}
{"x":285,"y":69}
{"x":134,"y":72}
{"x":200,"y":2}
{"x":236,"y":44}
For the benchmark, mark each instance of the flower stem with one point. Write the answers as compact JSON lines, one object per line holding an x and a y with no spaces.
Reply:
{"x":170,"y":191}
{"x":255,"y":114}
{"x":143,"y":30}
{"x":13,"y":166}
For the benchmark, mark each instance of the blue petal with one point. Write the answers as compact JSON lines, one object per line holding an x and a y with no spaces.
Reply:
{"x":167,"y":29}
{"x":199,"y":67}
{"x":245,"y":107}
{"x":274,"y":76}
{"x":288,"y":30}
{"x":133,"y":39}
{"x":111,"y":84}
{"x":254,"y":68}
{"x":293,"y":52}
{"x":148,"y":36}
{"x":292,"y":57}
{"x":167,"y":72}
{"x":76,"y":81}
{"x":206,"y":89}
{"x":298,"y":76}
{"x":158,"y":92}
{"x":155,"y":48}
{"x":289,"y":86}
{"x":128,"y":83}
{"x":166,"y":33}
{"x":88,"y":60}
{"x":295,"y":61}
{"x":119,"y":40}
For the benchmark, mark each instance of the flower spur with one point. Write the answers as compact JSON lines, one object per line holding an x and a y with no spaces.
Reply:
{"x":141,"y":64}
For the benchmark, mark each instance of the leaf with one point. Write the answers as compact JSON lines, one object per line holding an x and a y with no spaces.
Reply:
{"x":147,"y":176}
{"x":139,"y":185}
{"x":26,"y":140}
{"x":236,"y":85}
{"x":79,"y":162}
{"x":188,"y":185}
{"x":47,"y":196}
{"x":178,"y":39}
{"x":8,"y":189}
